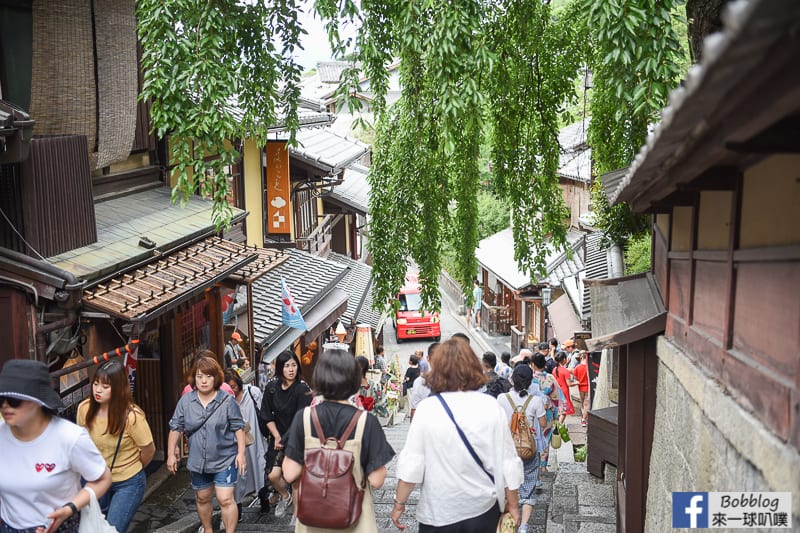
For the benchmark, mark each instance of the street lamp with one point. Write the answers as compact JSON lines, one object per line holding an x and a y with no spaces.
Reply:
{"x":547,"y":293}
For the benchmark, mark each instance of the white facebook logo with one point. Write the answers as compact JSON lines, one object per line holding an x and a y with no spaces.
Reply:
{"x":694,"y":510}
{"x":690,"y":509}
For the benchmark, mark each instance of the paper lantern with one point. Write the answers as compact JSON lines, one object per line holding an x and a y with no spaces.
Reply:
{"x":364,"y":342}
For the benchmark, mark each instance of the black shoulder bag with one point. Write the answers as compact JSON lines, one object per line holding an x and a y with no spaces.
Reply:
{"x":203,"y":423}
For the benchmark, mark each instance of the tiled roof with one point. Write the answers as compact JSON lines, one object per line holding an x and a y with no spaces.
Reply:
{"x":575,"y":161}
{"x":331,"y":71}
{"x":310,"y":114}
{"x":308,"y":277}
{"x":496,"y":254}
{"x":354,"y":190}
{"x":358,"y":286}
{"x":268,"y":258}
{"x":596,"y":268}
{"x":588,"y":260}
{"x":326,"y":150}
{"x":123,"y":221}
{"x":564,"y":266}
{"x":611,"y":180}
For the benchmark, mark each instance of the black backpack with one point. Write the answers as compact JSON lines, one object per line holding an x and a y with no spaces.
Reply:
{"x":497,"y":386}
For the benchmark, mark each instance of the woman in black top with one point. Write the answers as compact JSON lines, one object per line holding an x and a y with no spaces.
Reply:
{"x":412,"y":373}
{"x":284,"y":396}
{"x":337,"y":377}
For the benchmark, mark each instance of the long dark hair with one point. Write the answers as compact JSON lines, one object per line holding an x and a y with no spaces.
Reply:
{"x":112,"y":373}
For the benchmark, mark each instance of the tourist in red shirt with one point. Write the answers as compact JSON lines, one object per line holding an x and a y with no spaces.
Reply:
{"x":563,"y":377}
{"x":581,"y":373}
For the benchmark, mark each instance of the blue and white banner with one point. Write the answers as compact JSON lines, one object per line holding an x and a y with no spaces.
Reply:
{"x":289,"y":311}
{"x":732,"y":510}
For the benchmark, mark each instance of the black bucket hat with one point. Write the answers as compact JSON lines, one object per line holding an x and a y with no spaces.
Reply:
{"x":29,"y":380}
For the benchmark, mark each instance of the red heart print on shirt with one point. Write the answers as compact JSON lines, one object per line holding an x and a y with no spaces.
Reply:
{"x":45,"y":466}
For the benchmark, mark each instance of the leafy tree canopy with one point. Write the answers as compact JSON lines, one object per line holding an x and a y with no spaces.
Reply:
{"x":466,"y":67}
{"x":216,"y":72}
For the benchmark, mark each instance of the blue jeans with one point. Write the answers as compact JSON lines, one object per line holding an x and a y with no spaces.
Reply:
{"x":122,"y":500}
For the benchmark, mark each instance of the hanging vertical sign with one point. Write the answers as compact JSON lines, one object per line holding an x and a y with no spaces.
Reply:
{"x":131,"y":357}
{"x":278,"y":187}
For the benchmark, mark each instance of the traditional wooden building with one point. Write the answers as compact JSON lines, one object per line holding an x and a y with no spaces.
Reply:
{"x":713,"y":404}
{"x":575,"y":169}
{"x":349,"y":202}
{"x":284,"y":187}
{"x":512,"y":301}
{"x":93,"y":253}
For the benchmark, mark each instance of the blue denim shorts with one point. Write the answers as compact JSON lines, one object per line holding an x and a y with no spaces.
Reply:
{"x":226,"y":478}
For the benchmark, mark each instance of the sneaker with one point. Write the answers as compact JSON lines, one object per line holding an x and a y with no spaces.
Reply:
{"x":293,"y":521}
{"x":282,"y":507}
{"x":523,"y":528}
{"x":584,"y":423}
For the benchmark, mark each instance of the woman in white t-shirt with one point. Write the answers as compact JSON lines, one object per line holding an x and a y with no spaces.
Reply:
{"x":44,"y":456}
{"x":458,"y":493}
{"x":521,"y":377}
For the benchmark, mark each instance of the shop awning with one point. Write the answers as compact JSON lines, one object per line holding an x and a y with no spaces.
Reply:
{"x":142,"y":294}
{"x":326,"y":312}
{"x":563,"y":318}
{"x":625,"y":310}
{"x":318,"y":318}
{"x":282,"y":341}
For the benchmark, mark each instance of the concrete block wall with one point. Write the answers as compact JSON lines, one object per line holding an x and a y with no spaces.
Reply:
{"x":705,"y":441}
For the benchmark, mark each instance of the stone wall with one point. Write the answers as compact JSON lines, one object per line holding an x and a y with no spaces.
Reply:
{"x":705,"y":441}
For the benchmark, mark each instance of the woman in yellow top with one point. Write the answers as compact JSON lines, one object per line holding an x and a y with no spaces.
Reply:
{"x":120,"y":431}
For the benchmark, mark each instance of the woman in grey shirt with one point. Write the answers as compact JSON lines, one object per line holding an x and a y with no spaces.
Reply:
{"x":213,"y":423}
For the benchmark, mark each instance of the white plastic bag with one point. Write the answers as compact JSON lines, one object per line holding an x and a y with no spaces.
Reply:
{"x":92,"y":519}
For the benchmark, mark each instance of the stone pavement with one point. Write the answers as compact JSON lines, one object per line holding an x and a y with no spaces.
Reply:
{"x":170,"y":507}
{"x":572,"y":500}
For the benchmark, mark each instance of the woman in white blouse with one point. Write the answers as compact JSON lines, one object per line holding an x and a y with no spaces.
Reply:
{"x":467,"y":464}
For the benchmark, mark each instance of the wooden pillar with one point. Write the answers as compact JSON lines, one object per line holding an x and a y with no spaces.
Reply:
{"x":172,"y":378}
{"x":639,"y":366}
{"x":216,"y":334}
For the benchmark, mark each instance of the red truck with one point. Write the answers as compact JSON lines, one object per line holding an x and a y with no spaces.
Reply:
{"x":410,"y":320}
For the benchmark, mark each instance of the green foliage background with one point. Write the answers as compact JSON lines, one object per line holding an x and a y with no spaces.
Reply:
{"x":480,"y":79}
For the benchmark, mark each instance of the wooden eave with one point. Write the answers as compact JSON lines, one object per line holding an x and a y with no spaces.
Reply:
{"x":740,"y":110}
{"x":266,"y":260}
{"x":143,"y":294}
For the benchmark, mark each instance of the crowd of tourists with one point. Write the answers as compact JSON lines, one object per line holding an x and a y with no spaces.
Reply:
{"x":480,"y":428}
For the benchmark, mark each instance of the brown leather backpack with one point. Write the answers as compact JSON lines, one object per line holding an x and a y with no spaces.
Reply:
{"x":328,"y":496}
